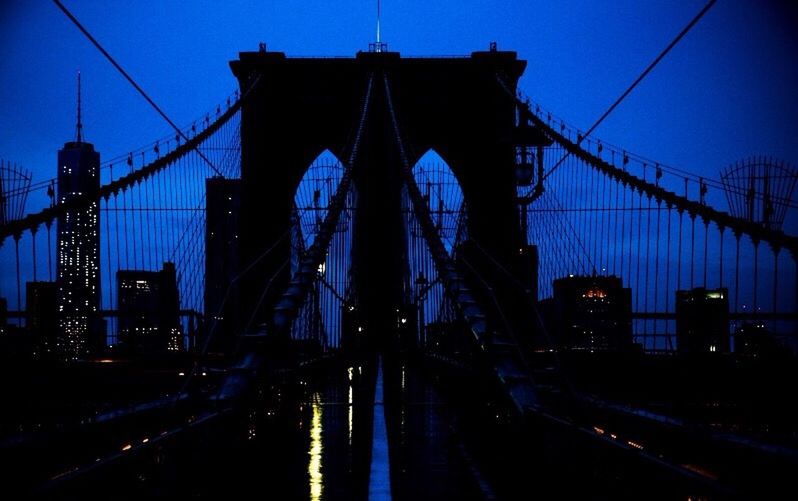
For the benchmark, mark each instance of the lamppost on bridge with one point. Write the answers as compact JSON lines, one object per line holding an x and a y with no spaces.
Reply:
{"x":422,"y":287}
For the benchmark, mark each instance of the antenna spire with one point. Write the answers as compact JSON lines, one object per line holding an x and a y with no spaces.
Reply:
{"x":378,"y":22}
{"x":79,"y":127}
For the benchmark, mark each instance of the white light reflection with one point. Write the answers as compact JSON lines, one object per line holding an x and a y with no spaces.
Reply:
{"x":351,"y":406}
{"x":402,"y":409}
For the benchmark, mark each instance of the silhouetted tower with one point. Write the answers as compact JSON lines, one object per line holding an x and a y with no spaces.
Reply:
{"x":78,"y":265}
{"x":41,"y":313}
{"x":278,"y":141}
{"x":222,"y":208}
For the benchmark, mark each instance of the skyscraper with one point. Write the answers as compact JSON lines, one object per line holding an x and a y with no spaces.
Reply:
{"x":592,"y":313}
{"x":223,"y":202}
{"x":78,"y":265}
{"x":149,"y":311}
{"x":42,"y":317}
{"x":702,"y":320}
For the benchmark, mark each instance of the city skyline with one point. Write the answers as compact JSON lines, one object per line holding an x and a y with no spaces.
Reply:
{"x":396,"y":276}
{"x":687,"y":113}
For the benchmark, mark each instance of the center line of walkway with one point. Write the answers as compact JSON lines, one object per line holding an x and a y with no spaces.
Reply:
{"x":380,"y":475}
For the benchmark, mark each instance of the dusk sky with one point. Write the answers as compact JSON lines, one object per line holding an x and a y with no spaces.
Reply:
{"x":550,"y":334}
{"x":725,"y":92}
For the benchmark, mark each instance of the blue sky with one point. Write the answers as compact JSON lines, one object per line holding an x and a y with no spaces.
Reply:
{"x":725,"y":92}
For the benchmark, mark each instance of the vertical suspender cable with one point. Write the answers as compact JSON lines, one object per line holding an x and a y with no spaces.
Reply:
{"x":131,"y":241}
{"x":774,"y":309}
{"x":679,"y":253}
{"x":118,"y":237}
{"x":706,"y":245}
{"x":737,"y":275}
{"x":720,"y":270}
{"x":154,"y":212}
{"x":692,"y":248}
{"x":142,"y":229}
{"x":148,"y":207}
{"x":617,"y":269}
{"x":648,"y":254}
{"x":49,"y":252}
{"x":656,"y":267}
{"x":631,"y":230}
{"x":605,"y":214}
{"x":668,"y":295}
{"x":623,"y":232}
{"x":756,"y":278}
{"x":33,"y":250}
{"x":639,"y":242}
{"x":162,"y":214}
{"x":108,"y":273}
{"x":19,"y":281}
{"x":596,"y":220}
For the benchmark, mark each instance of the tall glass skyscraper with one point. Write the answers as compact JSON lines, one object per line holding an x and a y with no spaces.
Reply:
{"x":78,"y":266}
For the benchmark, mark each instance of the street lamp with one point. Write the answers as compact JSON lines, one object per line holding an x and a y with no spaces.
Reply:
{"x":422,"y":287}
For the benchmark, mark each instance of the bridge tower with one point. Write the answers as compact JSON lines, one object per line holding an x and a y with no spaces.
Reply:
{"x":302,"y":106}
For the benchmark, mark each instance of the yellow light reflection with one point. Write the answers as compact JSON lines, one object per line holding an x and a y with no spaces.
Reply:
{"x":314,"y":466}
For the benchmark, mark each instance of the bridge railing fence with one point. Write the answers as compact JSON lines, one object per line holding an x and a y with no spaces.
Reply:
{"x":606,"y":212}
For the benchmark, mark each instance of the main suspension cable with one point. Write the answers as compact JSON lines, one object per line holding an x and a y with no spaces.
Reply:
{"x":132,"y":82}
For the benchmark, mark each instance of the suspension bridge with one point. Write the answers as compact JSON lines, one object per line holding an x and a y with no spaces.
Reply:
{"x":370,"y":274}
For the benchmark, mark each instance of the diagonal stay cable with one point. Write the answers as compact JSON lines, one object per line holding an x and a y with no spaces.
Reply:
{"x":634,"y":84}
{"x":132,"y":82}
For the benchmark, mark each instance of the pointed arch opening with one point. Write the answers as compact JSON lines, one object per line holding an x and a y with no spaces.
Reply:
{"x":321,"y":318}
{"x":313,"y":196}
{"x":444,"y":196}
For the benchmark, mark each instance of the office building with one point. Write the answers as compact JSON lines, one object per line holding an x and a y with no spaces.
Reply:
{"x":41,"y":312}
{"x":80,"y":332}
{"x":223,"y":202}
{"x":592,"y":313}
{"x":149,"y":312}
{"x":702,"y":320}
